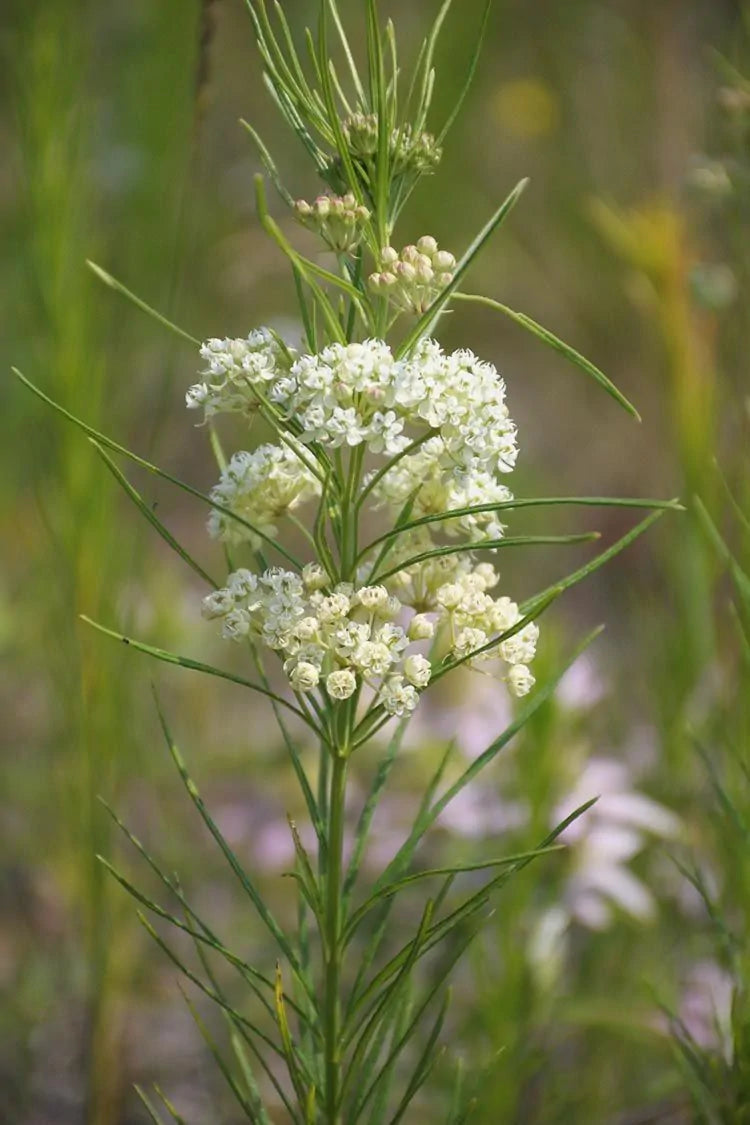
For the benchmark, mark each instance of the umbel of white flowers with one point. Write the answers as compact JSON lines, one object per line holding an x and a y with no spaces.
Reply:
{"x":340,"y":637}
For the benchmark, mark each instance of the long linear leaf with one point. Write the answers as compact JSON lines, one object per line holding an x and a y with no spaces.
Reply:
{"x":112,"y":283}
{"x":428,"y":818}
{"x":149,"y":1106}
{"x":530,"y":606}
{"x":423,"y":105}
{"x":221,"y":1063}
{"x":399,"y":885}
{"x":147,"y":511}
{"x":557,"y":345}
{"x":465,"y":912}
{"x":470,"y":73}
{"x":365,"y":819}
{"x":245,"y":882}
{"x":109,"y":443}
{"x":426,"y":322}
{"x":197,"y":666}
{"x":740,"y":579}
{"x":488,"y":545}
{"x":202,"y":986}
{"x":176,"y":1117}
{"x":253,"y":977}
{"x":517,"y":504}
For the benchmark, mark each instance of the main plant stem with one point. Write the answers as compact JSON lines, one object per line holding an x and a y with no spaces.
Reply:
{"x":333,"y":928}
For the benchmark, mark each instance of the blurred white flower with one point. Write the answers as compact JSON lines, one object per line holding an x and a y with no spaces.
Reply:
{"x":706,"y":1008}
{"x":604,"y":840}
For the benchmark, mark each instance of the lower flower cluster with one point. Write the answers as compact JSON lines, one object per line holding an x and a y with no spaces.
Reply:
{"x":340,"y":639}
{"x":345,"y":637}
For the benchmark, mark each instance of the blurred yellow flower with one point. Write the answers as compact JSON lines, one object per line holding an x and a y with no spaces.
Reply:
{"x":526,"y":107}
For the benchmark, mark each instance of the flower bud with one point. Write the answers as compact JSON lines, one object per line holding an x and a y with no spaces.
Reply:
{"x":417,"y":670}
{"x":421,"y":628}
{"x":314,"y":577}
{"x":341,"y":684}
{"x":427,"y":245}
{"x":443,"y":261}
{"x":520,"y":680}
{"x":304,"y":677}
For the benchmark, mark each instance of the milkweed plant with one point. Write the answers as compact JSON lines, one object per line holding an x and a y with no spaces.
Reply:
{"x":374,"y":425}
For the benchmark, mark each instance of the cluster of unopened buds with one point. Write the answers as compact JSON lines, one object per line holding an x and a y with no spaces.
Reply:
{"x":338,"y":219}
{"x":414,"y":278}
{"x":409,"y":150}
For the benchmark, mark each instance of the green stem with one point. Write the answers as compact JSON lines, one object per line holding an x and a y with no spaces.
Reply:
{"x":334,"y":931}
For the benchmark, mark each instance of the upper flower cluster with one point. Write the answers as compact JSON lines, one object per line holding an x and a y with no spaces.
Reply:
{"x":362,"y":394}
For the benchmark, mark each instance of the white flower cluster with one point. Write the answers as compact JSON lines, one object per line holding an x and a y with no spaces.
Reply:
{"x":457,"y":592}
{"x":341,"y":639}
{"x":259,"y":487}
{"x":360,"y":393}
{"x":413,"y":279}
{"x":439,"y":486}
{"x":235,"y":369}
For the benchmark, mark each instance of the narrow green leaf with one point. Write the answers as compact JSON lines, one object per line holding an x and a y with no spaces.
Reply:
{"x":112,"y":283}
{"x":168,"y":1106}
{"x":221,"y":1063}
{"x":149,"y":1106}
{"x":557,"y":345}
{"x":740,"y":579}
{"x":364,"y":823}
{"x":517,"y":504}
{"x":394,"y":888}
{"x":426,"y":322}
{"x":245,"y":882}
{"x":425,"y":1063}
{"x":197,"y":666}
{"x":425,"y":98}
{"x":109,"y":443}
{"x":488,"y":545}
{"x":300,"y":1077}
{"x":149,"y":513}
{"x":268,"y":163}
{"x":530,"y":606}
{"x":356,"y":80}
{"x":428,"y":818}
{"x":203,"y":987}
{"x":471,"y":72}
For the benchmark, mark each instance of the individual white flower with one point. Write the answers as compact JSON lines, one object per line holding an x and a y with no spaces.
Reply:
{"x":236,"y":625}
{"x":307,"y":629}
{"x":449,"y":596}
{"x":333,"y":608}
{"x":341,"y":684}
{"x":397,"y":697}
{"x":521,"y":647}
{"x":372,"y":597}
{"x":417,"y":670}
{"x":421,"y":628}
{"x":314,"y":577}
{"x":304,"y":676}
{"x":217,"y":604}
{"x":520,"y":680}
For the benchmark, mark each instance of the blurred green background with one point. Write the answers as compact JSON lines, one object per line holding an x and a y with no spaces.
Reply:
{"x":121,"y":142}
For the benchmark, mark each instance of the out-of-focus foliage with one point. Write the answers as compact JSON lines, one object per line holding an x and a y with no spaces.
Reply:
{"x":121,"y":141}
